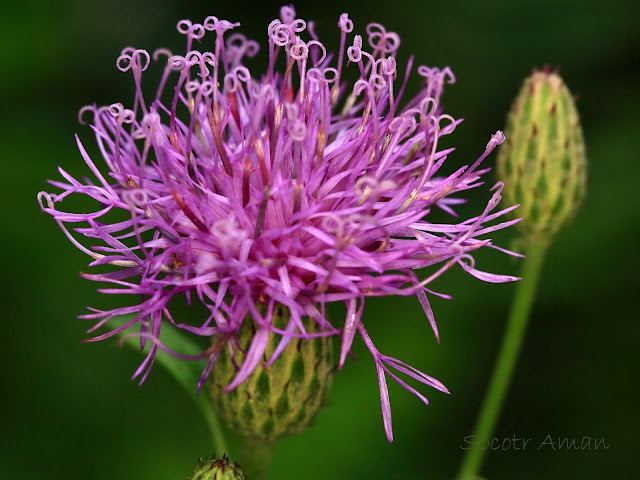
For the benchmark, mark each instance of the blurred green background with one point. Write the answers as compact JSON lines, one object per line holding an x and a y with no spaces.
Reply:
{"x":69,"y":410}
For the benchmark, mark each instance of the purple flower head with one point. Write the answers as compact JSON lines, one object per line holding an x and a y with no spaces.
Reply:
{"x":291,"y":188}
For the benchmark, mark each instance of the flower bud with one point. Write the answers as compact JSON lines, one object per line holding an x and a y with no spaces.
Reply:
{"x":279,"y":400}
{"x":543,"y":163}
{"x":217,"y":469}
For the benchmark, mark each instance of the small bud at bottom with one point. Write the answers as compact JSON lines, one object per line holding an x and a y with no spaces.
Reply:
{"x":217,"y":469}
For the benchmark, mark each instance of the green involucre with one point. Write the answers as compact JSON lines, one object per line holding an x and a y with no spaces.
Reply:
{"x":281,"y":400}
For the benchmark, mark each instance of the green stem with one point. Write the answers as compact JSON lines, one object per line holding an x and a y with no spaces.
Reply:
{"x":220,"y":447}
{"x":255,"y":458}
{"x":506,"y":360}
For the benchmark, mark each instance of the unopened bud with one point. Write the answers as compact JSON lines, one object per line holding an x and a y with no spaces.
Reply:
{"x":217,"y":469}
{"x":543,"y":163}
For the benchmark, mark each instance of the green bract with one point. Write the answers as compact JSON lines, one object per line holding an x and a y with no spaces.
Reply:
{"x":542,"y":163}
{"x":280,"y":400}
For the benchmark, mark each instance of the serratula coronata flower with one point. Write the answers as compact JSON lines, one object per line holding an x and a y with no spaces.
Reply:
{"x":289,"y":189}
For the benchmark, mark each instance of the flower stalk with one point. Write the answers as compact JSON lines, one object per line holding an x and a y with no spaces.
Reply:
{"x":506,"y":360}
{"x":255,"y":457}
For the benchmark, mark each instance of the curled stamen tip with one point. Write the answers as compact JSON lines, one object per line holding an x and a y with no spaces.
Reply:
{"x":192,"y":86}
{"x":401,"y":123}
{"x":47,"y":197}
{"x":345,"y":24}
{"x":354,"y":54}
{"x":298,"y":49}
{"x":197,"y":31}
{"x":123,"y":62}
{"x":115,"y":109}
{"x":287,"y":13}
{"x":161,"y":51}
{"x":298,"y":25}
{"x":84,"y":109}
{"x":496,"y":139}
{"x":449,"y":73}
{"x":389,"y":66}
{"x":177,"y":62}
{"x":126,"y":116}
{"x":131,"y":58}
{"x":359,"y":87}
{"x":136,"y":57}
{"x":183,"y":26}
